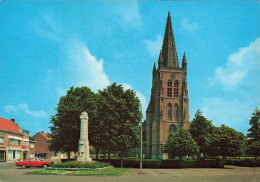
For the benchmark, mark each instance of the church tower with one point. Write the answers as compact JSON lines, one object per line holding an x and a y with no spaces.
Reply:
{"x":168,"y":109}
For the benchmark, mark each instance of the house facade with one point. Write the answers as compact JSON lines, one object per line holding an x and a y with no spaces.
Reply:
{"x":42,"y":148}
{"x":14,"y":142}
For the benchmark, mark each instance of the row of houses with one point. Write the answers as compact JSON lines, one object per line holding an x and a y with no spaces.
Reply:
{"x":16,"y":143}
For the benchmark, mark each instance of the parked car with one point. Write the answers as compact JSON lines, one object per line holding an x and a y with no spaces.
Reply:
{"x":33,"y":162}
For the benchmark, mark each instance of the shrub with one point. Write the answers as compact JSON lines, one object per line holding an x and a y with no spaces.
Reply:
{"x":81,"y":165}
{"x":245,"y":162}
{"x":158,"y":163}
{"x":170,"y":164}
{"x":151,"y":163}
{"x":208,"y":163}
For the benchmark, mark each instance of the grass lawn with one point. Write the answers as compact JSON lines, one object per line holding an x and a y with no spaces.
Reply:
{"x":105,"y":171}
{"x":48,"y":172}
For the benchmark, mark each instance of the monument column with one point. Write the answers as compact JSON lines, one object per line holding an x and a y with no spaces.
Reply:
{"x":83,"y":149}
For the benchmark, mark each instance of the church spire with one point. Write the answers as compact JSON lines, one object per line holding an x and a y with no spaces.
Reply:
{"x":154,"y":68}
{"x":169,"y":53}
{"x":184,"y":62}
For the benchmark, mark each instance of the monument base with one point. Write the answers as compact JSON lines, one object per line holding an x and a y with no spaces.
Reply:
{"x":82,"y":158}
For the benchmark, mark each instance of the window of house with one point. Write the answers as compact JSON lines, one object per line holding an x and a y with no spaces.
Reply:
{"x":31,"y":145}
{"x":12,"y":141}
{"x":170,"y":112}
{"x":25,"y":132}
{"x":26,"y":143}
{"x":169,"y":88}
{"x":18,"y":154}
{"x":176,"y":88}
{"x":1,"y":140}
{"x":31,"y":154}
{"x":18,"y":142}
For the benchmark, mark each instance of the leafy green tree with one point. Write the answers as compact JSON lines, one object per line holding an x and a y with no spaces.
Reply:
{"x":200,"y":130}
{"x":254,"y":149}
{"x":254,"y":131}
{"x":181,"y":144}
{"x":65,"y":124}
{"x":254,"y":134}
{"x":226,"y":141}
{"x":120,"y":115}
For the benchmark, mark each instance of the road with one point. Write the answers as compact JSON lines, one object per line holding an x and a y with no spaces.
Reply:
{"x":10,"y":173}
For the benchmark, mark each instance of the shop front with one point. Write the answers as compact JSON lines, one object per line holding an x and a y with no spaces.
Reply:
{"x":2,"y":155}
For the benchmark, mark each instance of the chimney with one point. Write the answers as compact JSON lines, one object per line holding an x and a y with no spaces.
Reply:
{"x":13,"y":120}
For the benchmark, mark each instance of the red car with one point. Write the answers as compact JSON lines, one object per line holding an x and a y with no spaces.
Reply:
{"x":33,"y":162}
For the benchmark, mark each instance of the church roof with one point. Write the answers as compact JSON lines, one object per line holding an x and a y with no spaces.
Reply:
{"x":169,"y":52}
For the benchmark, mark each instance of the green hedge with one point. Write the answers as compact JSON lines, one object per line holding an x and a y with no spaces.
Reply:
{"x":245,"y":162}
{"x":81,"y":165}
{"x":157,"y":163}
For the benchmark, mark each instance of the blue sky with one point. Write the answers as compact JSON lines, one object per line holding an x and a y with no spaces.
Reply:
{"x":48,"y":46}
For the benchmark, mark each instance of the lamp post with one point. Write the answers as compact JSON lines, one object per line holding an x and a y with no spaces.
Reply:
{"x":141,"y":147}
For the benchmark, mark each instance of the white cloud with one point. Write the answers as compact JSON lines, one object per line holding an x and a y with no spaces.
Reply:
{"x":24,"y":108}
{"x":10,"y":108}
{"x":84,"y":68}
{"x":154,"y":46}
{"x":232,"y":112}
{"x":45,"y":27}
{"x":54,"y":26}
{"x":128,"y":12}
{"x":239,"y":65}
{"x":139,"y":95}
{"x":188,"y":25}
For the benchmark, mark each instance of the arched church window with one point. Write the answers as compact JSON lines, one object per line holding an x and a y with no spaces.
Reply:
{"x":176,"y":112}
{"x":170,"y":112}
{"x":176,"y":88}
{"x":169,"y":88}
{"x":172,"y":129}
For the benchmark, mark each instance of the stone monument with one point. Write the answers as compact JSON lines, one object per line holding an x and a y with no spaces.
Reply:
{"x":83,"y":150}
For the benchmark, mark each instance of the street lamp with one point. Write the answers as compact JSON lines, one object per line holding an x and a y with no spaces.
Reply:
{"x":141,"y":147}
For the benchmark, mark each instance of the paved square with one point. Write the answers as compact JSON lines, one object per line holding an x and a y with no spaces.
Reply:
{"x":10,"y":173}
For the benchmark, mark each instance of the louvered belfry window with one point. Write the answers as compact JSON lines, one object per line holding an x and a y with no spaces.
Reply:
{"x":169,"y":88}
{"x":176,"y":88}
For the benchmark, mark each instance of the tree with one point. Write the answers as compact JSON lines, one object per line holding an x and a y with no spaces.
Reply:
{"x":120,"y":115}
{"x":254,"y":149}
{"x":254,"y":134}
{"x":65,"y":124}
{"x":181,"y":144}
{"x":226,"y":141}
{"x":200,"y":130}
{"x":254,"y":131}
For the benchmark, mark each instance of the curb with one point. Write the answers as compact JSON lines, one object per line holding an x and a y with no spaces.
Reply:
{"x":75,"y":169}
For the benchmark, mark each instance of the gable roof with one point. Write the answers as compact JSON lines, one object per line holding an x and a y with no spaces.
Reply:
{"x":45,"y":136}
{"x":9,"y":126}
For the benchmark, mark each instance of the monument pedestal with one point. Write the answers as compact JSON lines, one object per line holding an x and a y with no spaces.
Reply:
{"x":82,"y":158}
{"x":83,"y":148}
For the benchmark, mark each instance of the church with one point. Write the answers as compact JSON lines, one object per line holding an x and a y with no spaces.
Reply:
{"x":168,"y":109}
